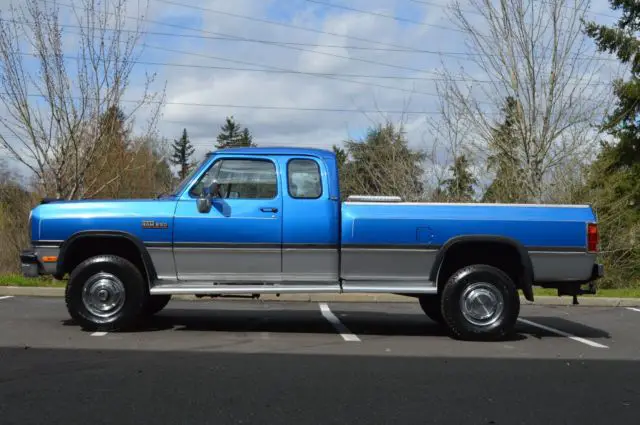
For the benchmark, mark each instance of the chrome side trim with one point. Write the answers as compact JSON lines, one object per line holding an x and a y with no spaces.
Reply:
{"x":189,"y":288}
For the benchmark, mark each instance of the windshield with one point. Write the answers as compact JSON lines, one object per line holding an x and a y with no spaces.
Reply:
{"x":188,"y":178}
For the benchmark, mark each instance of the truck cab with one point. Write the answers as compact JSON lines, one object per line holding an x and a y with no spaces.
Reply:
{"x":271,"y":220}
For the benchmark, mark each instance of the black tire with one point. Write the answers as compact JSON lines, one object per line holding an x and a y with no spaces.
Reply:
{"x":155,"y":304}
{"x":490,"y":282}
{"x":109,"y":271}
{"x":432,"y":307}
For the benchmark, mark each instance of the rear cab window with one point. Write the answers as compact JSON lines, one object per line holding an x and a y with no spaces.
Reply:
{"x":303,"y":179}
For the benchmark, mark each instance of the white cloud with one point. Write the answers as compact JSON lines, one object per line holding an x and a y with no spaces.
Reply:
{"x":290,"y":127}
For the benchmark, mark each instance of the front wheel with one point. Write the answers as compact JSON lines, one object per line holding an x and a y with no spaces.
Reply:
{"x":105,"y":293}
{"x":480,"y":302}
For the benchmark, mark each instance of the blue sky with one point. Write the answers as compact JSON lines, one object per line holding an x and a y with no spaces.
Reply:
{"x":196,"y":84}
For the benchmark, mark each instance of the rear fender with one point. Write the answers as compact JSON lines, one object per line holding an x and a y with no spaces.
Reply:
{"x":526,"y":280}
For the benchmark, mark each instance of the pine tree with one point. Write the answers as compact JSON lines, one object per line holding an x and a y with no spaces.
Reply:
{"x":613,"y":186}
{"x":507,"y":186}
{"x":182,"y":152}
{"x":459,"y":188}
{"x":232,"y":135}
{"x":622,"y":123}
{"x":246,"y":139}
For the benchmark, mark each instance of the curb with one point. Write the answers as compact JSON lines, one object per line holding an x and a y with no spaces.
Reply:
{"x":584,"y":301}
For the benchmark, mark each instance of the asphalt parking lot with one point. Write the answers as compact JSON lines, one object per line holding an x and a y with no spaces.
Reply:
{"x":237,"y":361}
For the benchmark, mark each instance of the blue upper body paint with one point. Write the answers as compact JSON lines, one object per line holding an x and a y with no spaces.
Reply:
{"x":324,"y":221}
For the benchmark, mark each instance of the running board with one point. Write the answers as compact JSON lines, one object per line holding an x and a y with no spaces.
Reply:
{"x":202,"y":288}
{"x":190,"y":288}
{"x":388,"y":289}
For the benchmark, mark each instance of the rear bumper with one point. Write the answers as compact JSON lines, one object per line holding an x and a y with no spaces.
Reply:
{"x":29,"y":263}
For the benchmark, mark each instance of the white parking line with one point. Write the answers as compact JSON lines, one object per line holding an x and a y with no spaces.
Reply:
{"x":634,"y":309}
{"x":340,"y":327}
{"x":6,"y":297}
{"x":562,"y":333}
{"x":99,"y":333}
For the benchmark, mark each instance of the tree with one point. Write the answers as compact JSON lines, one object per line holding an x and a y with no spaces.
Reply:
{"x":246,"y":139}
{"x":613,"y":184}
{"x":15,"y":204}
{"x":232,"y":135}
{"x":182,"y":152}
{"x":459,"y":187}
{"x":507,"y":185}
{"x":536,"y":53}
{"x":54,"y":112}
{"x":341,"y":157}
{"x":381,"y":164}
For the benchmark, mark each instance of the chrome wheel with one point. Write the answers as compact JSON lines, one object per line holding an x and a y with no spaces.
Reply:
{"x":103,"y":295}
{"x":482,"y":304}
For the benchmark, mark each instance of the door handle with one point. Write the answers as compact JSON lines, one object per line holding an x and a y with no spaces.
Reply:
{"x":269,"y":209}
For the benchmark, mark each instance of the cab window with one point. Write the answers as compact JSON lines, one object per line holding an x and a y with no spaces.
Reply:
{"x":304,"y":179}
{"x":240,"y":179}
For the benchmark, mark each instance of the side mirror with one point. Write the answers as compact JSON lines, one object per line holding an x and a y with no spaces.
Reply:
{"x":204,"y":204}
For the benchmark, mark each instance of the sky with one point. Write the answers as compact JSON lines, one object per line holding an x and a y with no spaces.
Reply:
{"x":194,"y":49}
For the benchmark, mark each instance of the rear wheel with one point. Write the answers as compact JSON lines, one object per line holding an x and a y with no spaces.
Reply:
{"x":480,"y":302}
{"x":105,"y":293}
{"x":432,"y":308}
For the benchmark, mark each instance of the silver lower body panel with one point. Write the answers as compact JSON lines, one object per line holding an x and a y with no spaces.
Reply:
{"x":386,"y":264}
{"x":561,"y":266}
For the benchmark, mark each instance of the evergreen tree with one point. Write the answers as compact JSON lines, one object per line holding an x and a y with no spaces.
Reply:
{"x":613,"y":186}
{"x":507,"y":185}
{"x":246,"y":139}
{"x":459,"y":188}
{"x":232,"y":135}
{"x":182,"y":152}
{"x":381,"y":164}
{"x":623,"y":124}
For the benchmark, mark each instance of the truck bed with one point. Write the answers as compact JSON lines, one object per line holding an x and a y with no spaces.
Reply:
{"x":400,"y":241}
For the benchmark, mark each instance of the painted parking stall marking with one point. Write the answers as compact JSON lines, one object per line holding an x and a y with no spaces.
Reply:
{"x":634,"y":309}
{"x":562,"y":333}
{"x":345,"y":333}
{"x":6,"y":297}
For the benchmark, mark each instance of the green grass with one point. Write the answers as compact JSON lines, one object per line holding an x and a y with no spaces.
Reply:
{"x":17,"y":280}
{"x":606,"y":293}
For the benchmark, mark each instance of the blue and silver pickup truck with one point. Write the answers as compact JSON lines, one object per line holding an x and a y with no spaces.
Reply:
{"x":272,"y":221}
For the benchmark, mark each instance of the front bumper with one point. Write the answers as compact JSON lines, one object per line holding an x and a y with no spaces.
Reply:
{"x":29,"y":264}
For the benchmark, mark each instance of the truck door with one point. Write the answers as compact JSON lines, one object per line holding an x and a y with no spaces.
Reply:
{"x":240,"y":239}
{"x":310,"y":222}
